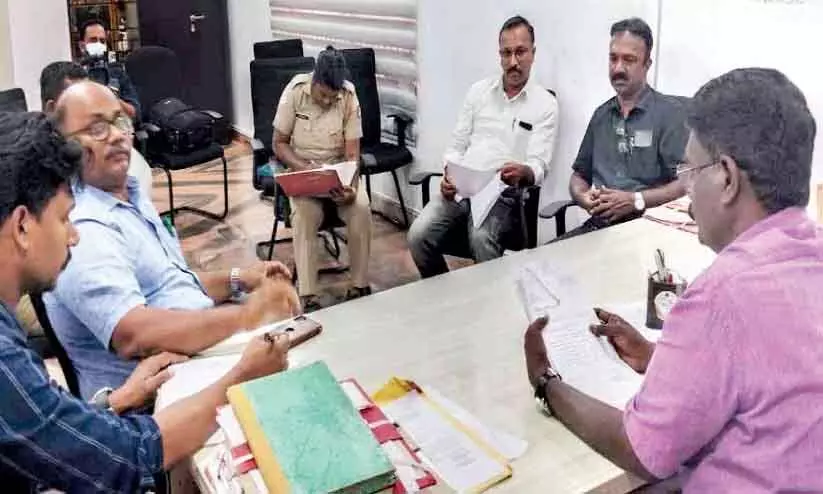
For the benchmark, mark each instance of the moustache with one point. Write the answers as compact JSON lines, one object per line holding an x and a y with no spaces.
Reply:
{"x":117,"y":151}
{"x":514,"y":70}
{"x":619,"y":77}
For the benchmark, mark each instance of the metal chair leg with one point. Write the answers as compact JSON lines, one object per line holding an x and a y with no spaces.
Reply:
{"x":400,"y":198}
{"x":202,"y":212}
{"x":171,"y":195}
{"x":273,"y":239}
{"x":368,"y":186}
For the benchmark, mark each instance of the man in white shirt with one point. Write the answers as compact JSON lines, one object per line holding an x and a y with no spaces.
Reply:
{"x":507,"y":124}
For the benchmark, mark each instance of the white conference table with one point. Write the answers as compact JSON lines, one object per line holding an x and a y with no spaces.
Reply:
{"x":462,"y":333}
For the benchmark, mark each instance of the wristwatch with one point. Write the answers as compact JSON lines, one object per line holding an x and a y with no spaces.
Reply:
{"x":235,"y":283}
{"x":101,"y":399}
{"x":639,"y":201}
{"x":540,"y":388}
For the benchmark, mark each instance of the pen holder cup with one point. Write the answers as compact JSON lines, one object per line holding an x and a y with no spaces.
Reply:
{"x":661,"y":297}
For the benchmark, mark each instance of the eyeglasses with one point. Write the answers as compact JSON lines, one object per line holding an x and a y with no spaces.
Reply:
{"x":101,"y":129}
{"x":518,"y":53}
{"x":687,"y":172}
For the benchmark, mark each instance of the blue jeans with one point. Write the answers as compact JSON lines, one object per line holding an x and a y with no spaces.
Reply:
{"x":446,"y":227}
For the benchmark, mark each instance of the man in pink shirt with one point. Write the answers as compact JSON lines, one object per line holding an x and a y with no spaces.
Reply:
{"x":733,"y":393}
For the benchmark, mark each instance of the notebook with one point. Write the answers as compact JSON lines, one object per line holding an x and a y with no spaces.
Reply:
{"x":306,"y":435}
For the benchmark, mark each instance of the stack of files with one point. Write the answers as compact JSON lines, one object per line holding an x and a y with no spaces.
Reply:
{"x":464,"y":454}
{"x":412,"y":474}
{"x":307,"y":437}
{"x":674,"y":214}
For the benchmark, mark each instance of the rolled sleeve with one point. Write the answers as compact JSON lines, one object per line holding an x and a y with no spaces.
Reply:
{"x":99,"y":286}
{"x":541,"y":142}
{"x":65,"y":444}
{"x":677,"y":413}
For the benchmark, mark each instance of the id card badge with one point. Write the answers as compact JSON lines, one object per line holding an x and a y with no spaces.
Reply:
{"x":522,"y":134}
{"x":642,"y":138}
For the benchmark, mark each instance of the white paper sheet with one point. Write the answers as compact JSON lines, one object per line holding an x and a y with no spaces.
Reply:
{"x":345,"y":171}
{"x":455,"y":457}
{"x":192,"y":377}
{"x":509,"y":446}
{"x":585,"y":361}
{"x":483,"y":201}
{"x":467,"y":180}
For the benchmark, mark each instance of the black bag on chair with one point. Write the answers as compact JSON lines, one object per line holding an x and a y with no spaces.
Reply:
{"x":182,"y":128}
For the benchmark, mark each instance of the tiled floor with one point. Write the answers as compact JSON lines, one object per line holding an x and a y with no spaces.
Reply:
{"x":208,"y":244}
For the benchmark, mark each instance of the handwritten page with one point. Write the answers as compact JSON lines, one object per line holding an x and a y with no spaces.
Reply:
{"x":585,"y":361}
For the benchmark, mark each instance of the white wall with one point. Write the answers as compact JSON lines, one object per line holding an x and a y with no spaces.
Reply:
{"x":248,"y":24}
{"x":39,"y":35}
{"x":458,"y":46}
{"x":744,"y":33}
{"x":6,"y":61}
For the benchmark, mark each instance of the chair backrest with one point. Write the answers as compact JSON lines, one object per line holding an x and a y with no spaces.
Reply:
{"x":269,"y":77}
{"x":13,"y":100}
{"x":363,"y":74}
{"x":62,"y":357}
{"x":156,"y":74}
{"x":280,"y":48}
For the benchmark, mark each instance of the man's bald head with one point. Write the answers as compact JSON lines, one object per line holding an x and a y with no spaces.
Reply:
{"x":91,"y":114}
{"x":82,"y":95}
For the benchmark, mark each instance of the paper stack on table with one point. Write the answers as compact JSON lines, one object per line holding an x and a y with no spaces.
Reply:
{"x":467,"y":455}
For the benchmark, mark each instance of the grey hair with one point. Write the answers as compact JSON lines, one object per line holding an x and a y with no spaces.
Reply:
{"x":761,"y":119}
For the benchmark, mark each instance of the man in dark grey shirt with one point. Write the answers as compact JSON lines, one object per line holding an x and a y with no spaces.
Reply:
{"x":634,"y":141}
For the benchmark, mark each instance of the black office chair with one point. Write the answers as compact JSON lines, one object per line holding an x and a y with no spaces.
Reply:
{"x":66,"y":365}
{"x":155,"y":72}
{"x":269,"y":77}
{"x":13,"y":100}
{"x":281,"y":48}
{"x":377,"y":156}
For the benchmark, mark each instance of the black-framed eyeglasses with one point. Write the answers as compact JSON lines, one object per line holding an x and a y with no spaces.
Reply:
{"x":100,"y":130}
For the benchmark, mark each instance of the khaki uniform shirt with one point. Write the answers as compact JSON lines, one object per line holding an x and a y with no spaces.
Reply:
{"x":317,"y":134}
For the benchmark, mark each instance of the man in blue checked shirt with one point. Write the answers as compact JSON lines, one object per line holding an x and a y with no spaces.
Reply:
{"x":129,"y":293}
{"x":49,"y":439}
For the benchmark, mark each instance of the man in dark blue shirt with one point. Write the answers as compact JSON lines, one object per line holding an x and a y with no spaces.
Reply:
{"x":95,"y":60}
{"x":49,"y":439}
{"x":634,"y":141}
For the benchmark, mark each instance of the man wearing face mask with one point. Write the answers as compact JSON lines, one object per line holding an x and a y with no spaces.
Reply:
{"x":96,"y":62}
{"x":631,"y":148}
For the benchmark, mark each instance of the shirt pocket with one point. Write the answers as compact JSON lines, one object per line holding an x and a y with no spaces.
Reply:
{"x":301,"y":136}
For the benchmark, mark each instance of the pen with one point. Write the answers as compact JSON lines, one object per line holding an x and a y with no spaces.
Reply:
{"x":660,"y":260}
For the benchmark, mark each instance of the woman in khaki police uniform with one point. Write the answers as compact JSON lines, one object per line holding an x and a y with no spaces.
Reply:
{"x":318,"y":122}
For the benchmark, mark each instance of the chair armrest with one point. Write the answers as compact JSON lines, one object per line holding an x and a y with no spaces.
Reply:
{"x":424,"y":179}
{"x":260,"y":157}
{"x":557,"y":210}
{"x":401,"y":123}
